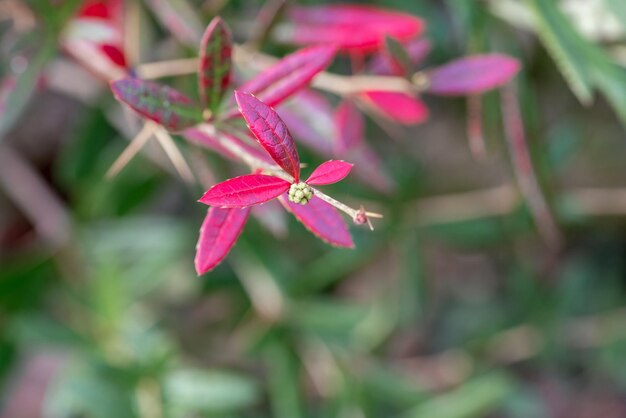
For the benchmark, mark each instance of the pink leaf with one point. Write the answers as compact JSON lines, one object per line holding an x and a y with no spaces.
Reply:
{"x":218,"y":234}
{"x":417,"y":49}
{"x":322,"y":220}
{"x":309,"y":116}
{"x":399,"y":107}
{"x":369,"y":169}
{"x":215,"y":63}
{"x":161,"y":104}
{"x":290,"y":74}
{"x":203,"y":138}
{"x":243,"y":191}
{"x":270,"y":131}
{"x":472,"y":75}
{"x":351,"y":27}
{"x":329,"y":172}
{"x":350,"y":127}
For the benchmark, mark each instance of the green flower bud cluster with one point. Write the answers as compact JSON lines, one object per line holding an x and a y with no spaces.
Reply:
{"x":300,"y":193}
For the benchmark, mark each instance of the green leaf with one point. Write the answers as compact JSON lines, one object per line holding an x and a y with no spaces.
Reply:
{"x":398,"y":54}
{"x":475,"y":398}
{"x":192,"y":391}
{"x":565,"y":45}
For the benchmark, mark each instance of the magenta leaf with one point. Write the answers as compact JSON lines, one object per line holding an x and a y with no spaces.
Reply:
{"x":472,"y":75}
{"x":243,"y":191}
{"x":271,"y":132}
{"x":350,"y":127}
{"x":218,"y":234}
{"x":351,"y":27}
{"x":215,"y":63}
{"x":322,"y":220}
{"x":290,"y":74}
{"x":403,"y":108}
{"x":161,"y":104}
{"x":329,"y":172}
{"x":309,"y":116}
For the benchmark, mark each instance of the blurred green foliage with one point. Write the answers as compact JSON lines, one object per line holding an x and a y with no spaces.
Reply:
{"x":458,"y":317}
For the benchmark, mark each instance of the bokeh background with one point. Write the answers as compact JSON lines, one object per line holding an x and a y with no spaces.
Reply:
{"x":454,"y":307}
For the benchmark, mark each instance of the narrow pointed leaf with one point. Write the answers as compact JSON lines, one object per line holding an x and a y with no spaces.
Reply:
{"x":350,"y":127}
{"x":290,"y":74}
{"x":215,"y":63}
{"x":245,"y":191}
{"x":473,"y":75}
{"x":271,"y":132}
{"x":218,"y":235}
{"x":161,"y":104}
{"x":351,"y":27}
{"x":398,"y":56}
{"x":329,"y":172}
{"x":322,"y":220}
{"x":403,"y":108}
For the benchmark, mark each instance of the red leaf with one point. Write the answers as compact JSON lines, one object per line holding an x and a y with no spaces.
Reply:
{"x":290,"y":74}
{"x":95,"y":38}
{"x":215,"y":63}
{"x":322,"y":220}
{"x":399,"y":107}
{"x":270,"y":131}
{"x":417,"y":49}
{"x":161,"y":104}
{"x":350,"y":127}
{"x":473,"y":75}
{"x":309,"y":116}
{"x":351,"y":27}
{"x":329,"y":172}
{"x":218,"y":234}
{"x":243,"y":191}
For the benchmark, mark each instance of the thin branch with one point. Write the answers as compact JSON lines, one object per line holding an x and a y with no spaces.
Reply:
{"x":524,"y":169}
{"x":136,"y":144}
{"x":174,"y":155}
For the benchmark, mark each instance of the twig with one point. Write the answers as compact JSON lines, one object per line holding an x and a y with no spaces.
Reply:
{"x":30,"y":192}
{"x":174,"y":155}
{"x":132,"y":149}
{"x":524,"y":170}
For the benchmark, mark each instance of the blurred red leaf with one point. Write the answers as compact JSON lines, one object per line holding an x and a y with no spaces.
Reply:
{"x":329,"y":172}
{"x":321,"y":219}
{"x":417,"y":49}
{"x":350,"y":27}
{"x":472,"y":75}
{"x":218,"y":234}
{"x":290,"y":74}
{"x":309,"y":116}
{"x":161,"y":104}
{"x":369,"y":169}
{"x":350,"y":127}
{"x":215,"y":63}
{"x":243,"y":191}
{"x":271,"y":132}
{"x":95,"y":38}
{"x":399,"y":107}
